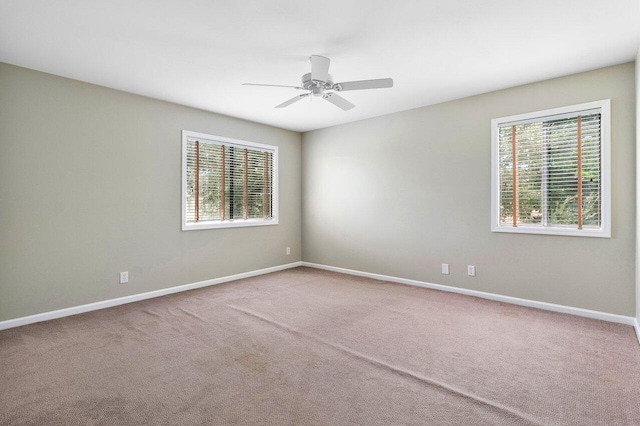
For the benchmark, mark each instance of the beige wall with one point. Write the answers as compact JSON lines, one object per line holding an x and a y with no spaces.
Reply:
{"x":637,"y":68}
{"x":90,"y":186}
{"x":400,"y":194}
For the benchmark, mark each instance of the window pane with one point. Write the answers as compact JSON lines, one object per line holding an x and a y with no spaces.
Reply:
{"x":227,"y":182}
{"x":191,"y":182}
{"x":258,"y":181}
{"x":562,"y":136}
{"x":547,"y":171}
{"x":210,"y":181}
{"x":235,"y":183}
{"x":506,"y":174}
{"x":529,"y":142}
{"x":591,"y":170}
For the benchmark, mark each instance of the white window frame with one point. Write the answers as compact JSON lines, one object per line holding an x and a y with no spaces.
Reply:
{"x":228,"y":223}
{"x":605,"y":169}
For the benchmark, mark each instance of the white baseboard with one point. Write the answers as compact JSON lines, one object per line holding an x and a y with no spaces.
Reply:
{"x":492,"y":296}
{"x":45,"y":316}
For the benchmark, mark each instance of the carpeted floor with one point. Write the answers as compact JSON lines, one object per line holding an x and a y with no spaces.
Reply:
{"x":310,"y":347}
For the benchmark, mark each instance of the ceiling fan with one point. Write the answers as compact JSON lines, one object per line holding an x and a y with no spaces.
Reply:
{"x":319,"y":82}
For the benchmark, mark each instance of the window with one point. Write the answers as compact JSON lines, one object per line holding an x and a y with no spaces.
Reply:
{"x":227,"y":182}
{"x":550,"y":172}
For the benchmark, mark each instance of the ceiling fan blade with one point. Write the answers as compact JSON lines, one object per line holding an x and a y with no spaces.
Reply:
{"x":381,"y":83}
{"x":319,"y":68}
{"x":338,"y":101}
{"x":271,"y":85}
{"x":292,"y":100}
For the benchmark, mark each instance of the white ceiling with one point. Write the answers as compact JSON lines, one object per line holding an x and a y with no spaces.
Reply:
{"x":198,"y":52}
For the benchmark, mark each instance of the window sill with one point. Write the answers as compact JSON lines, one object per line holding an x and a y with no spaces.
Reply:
{"x":569,"y":232}
{"x":237,"y":223}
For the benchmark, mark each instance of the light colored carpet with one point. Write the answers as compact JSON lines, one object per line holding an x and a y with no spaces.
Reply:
{"x":310,"y":347}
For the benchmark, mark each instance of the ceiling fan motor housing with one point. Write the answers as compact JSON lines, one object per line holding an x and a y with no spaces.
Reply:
{"x":317,"y":87}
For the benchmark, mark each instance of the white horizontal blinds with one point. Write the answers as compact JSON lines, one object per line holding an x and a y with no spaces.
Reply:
{"x":562,"y":193}
{"x":227,"y":182}
{"x":250,"y":183}
{"x":259,"y":173}
{"x":506,"y":135}
{"x":204,"y":181}
{"x":190,"y":183}
{"x":235,"y":182}
{"x":574,"y":181}
{"x":223,"y":180}
{"x":210,"y":188}
{"x":557,"y":176}
{"x":591,"y":171}
{"x":268,"y":194}
{"x":529,"y":160}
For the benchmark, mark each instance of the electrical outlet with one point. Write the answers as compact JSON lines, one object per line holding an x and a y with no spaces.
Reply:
{"x":471,"y":270}
{"x":445,"y":269}
{"x":288,"y":251}
{"x":124,"y":277}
